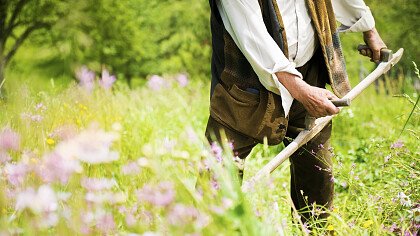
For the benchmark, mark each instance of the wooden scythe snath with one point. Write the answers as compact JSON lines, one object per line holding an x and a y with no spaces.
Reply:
{"x":320,"y":123}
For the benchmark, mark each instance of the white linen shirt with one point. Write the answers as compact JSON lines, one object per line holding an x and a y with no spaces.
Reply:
{"x":244,"y":22}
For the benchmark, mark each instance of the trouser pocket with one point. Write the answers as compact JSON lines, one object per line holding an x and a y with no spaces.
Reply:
{"x":252,"y":114}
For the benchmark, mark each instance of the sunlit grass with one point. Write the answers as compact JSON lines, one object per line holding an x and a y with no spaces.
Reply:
{"x":161,"y":141}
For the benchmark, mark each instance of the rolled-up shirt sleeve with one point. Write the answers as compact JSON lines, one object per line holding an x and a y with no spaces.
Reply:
{"x":244,"y":22}
{"x":354,"y":15}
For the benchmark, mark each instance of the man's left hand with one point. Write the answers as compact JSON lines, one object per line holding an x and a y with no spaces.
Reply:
{"x":375,"y":44}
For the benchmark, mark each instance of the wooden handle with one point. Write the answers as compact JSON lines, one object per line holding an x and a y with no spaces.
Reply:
{"x":341,"y":102}
{"x":386,"y":54}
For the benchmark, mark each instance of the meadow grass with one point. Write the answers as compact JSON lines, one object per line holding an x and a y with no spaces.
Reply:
{"x":152,"y":189}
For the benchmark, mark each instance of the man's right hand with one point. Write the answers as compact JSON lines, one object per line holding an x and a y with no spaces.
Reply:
{"x":315,"y":100}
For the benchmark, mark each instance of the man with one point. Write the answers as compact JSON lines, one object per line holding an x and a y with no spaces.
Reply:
{"x":271,"y":61}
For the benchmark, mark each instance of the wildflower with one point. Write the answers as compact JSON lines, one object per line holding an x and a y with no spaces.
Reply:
{"x":106,"y":223}
{"x":182,"y":80}
{"x":404,"y":199}
{"x":43,"y":200}
{"x":330,"y":228}
{"x":217,"y":151}
{"x":102,"y":197}
{"x":9,"y":140}
{"x":181,"y":214}
{"x":161,"y":195}
{"x":131,"y":168}
{"x":157,"y":83}
{"x":91,"y":146}
{"x":40,"y":107}
{"x":397,"y":144}
{"x":367,"y":223}
{"x":169,"y":144}
{"x":86,"y":78}
{"x":97,"y":184}
{"x":214,"y":184}
{"x":50,"y":141}
{"x":143,"y":162}
{"x":107,"y":80}
{"x":55,"y":167}
{"x":16,"y":173}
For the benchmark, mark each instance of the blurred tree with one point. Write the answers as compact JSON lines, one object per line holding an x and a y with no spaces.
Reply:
{"x":135,"y":38}
{"x":18,"y":20}
{"x":399,"y":24}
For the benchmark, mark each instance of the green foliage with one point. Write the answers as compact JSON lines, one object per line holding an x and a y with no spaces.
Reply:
{"x":135,"y":38}
{"x":399,"y":25}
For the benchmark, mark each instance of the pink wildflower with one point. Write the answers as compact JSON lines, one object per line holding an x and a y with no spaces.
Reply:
{"x":97,"y":184}
{"x":217,"y":151}
{"x":181,"y":214}
{"x":131,"y":168}
{"x":107,"y":80}
{"x":106,"y":223}
{"x":182,"y":80}
{"x":16,"y":173}
{"x":397,"y":144}
{"x":86,"y":78}
{"x":9,"y":140}
{"x":161,"y":195}
{"x":55,"y":167}
{"x":157,"y":83}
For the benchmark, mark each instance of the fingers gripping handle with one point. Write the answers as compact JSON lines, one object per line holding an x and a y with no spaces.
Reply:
{"x":310,"y":121}
{"x":386,"y":54}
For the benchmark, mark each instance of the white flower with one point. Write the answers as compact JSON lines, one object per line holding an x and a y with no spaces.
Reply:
{"x":404,"y":199}
{"x":42,"y":201}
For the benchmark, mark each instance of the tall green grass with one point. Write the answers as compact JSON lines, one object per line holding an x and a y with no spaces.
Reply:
{"x":374,"y":167}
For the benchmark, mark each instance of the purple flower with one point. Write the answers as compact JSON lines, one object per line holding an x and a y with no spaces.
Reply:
{"x":86,"y":78}
{"x":217,"y":151}
{"x":106,"y":223}
{"x":182,"y":80}
{"x":97,"y":184}
{"x":107,"y":80}
{"x":54,"y":167}
{"x":161,"y":195}
{"x":157,"y":83}
{"x":181,"y":214}
{"x":16,"y":173}
{"x":397,"y":144}
{"x":131,"y":168}
{"x":9,"y":140}
{"x":214,"y":184}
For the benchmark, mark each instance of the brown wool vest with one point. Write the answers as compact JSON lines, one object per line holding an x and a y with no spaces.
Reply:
{"x":238,"y":99}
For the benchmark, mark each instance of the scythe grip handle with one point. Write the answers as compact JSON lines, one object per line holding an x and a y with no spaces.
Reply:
{"x":386,"y":54}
